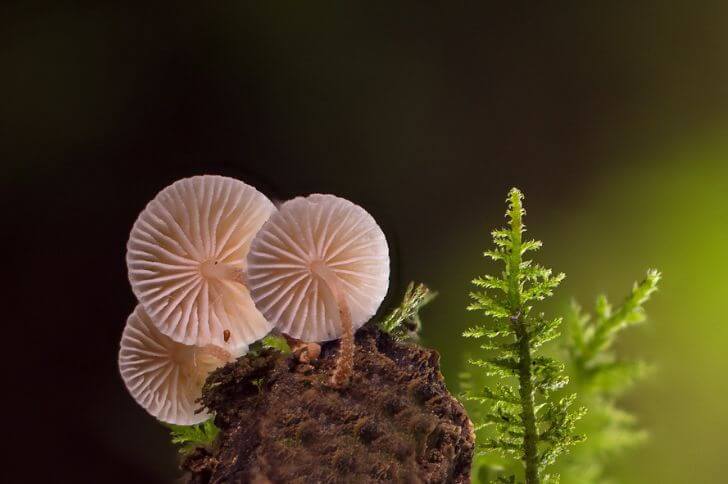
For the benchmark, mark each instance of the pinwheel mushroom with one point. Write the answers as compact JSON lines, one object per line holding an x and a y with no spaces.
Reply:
{"x":186,"y":256}
{"x":163,"y":376}
{"x":318,"y":270}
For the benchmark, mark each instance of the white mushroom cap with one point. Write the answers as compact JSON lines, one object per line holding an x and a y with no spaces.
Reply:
{"x":318,"y":229}
{"x":163,"y":376}
{"x":186,"y":255}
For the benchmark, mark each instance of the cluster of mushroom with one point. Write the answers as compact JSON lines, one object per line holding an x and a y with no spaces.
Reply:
{"x":215,"y":267}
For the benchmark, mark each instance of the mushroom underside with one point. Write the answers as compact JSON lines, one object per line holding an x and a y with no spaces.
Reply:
{"x":186,"y":256}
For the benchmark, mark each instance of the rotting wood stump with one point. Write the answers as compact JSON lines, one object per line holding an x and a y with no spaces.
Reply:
{"x":282,"y":422}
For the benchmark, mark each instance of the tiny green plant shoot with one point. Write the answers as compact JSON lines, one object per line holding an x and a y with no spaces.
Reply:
{"x":532,"y":417}
{"x":190,"y":437}
{"x":404,"y":320}
{"x":600,"y":378}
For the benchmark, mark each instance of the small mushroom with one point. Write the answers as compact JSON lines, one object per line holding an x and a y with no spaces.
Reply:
{"x":186,"y":256}
{"x":163,"y":376}
{"x":318,"y":270}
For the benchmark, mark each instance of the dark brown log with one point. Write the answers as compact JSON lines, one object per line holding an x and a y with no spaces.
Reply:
{"x":282,"y":422}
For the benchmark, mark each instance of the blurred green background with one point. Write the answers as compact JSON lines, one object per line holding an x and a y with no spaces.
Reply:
{"x":612,"y":118}
{"x":667,"y":210}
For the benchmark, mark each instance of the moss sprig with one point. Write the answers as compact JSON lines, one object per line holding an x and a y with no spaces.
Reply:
{"x":531,"y":424}
{"x":404,"y":320}
{"x":601,"y":377}
{"x":190,"y":437}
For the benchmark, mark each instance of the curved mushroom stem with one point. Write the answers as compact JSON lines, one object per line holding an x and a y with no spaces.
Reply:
{"x":215,"y":352}
{"x":345,"y":361}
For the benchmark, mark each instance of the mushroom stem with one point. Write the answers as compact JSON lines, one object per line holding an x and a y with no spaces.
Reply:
{"x":215,"y":352}
{"x":345,"y":360}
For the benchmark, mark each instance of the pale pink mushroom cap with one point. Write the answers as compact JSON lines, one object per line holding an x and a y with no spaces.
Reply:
{"x":163,"y":376}
{"x":317,"y":229}
{"x":186,"y":255}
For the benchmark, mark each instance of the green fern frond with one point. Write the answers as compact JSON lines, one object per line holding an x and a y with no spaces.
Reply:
{"x":405,"y":318}
{"x":528,"y":425}
{"x":601,"y":377}
{"x":190,"y":437}
{"x":609,"y":323}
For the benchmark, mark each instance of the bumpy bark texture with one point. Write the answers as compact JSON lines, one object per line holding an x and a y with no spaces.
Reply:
{"x":281,"y":422}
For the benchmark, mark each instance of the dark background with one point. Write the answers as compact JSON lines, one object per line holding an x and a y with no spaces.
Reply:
{"x":423,"y":114}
